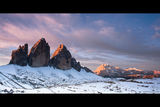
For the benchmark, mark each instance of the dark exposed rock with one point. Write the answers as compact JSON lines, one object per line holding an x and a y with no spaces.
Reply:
{"x":61,"y":58}
{"x":76,"y":65}
{"x":19,"y":56}
{"x":87,"y":69}
{"x":39,"y":54}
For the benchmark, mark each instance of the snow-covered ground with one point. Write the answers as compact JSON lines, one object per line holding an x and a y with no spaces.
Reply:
{"x":17,"y":79}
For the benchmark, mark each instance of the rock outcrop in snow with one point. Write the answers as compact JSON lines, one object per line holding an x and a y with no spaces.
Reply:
{"x":39,"y":54}
{"x":19,"y":56}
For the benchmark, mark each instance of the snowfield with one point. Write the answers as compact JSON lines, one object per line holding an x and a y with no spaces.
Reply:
{"x":18,"y":79}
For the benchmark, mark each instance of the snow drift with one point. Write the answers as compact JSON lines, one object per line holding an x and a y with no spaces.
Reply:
{"x":26,"y":77}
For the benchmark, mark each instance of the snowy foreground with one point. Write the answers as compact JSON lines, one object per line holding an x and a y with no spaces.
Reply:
{"x":17,"y":79}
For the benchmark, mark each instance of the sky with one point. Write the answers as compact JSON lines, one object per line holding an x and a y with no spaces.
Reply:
{"x":124,"y":40}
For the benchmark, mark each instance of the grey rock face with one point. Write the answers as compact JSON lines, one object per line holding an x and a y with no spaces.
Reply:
{"x":39,"y":54}
{"x":19,"y":56}
{"x":61,"y":58}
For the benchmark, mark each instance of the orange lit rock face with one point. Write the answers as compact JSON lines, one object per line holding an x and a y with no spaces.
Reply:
{"x":148,"y":76}
{"x":135,"y":76}
{"x":106,"y":70}
{"x":100,"y":69}
{"x":156,"y":72}
{"x":59,"y":49}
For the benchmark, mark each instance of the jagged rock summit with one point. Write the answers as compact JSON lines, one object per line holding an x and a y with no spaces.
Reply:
{"x":19,"y":56}
{"x":39,"y":54}
{"x":61,"y":58}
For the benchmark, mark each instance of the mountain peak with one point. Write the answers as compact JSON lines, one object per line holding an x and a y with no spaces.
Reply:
{"x":61,"y":48}
{"x":61,"y":58}
{"x":43,"y":39}
{"x":39,"y":54}
{"x":129,"y":69}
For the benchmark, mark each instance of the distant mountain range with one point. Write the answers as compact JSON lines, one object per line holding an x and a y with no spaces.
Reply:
{"x":106,"y":70}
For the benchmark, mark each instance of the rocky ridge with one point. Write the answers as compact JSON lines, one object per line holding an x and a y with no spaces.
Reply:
{"x":106,"y":70}
{"x":39,"y":56}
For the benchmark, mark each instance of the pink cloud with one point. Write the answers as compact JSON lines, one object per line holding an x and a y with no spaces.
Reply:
{"x":156,"y":35}
{"x":65,"y":15}
{"x":99,"y":22}
{"x":108,"y":31}
{"x":46,"y":27}
{"x":51,"y":22}
{"x":7,"y":44}
{"x":21,"y":32}
{"x":156,"y":28}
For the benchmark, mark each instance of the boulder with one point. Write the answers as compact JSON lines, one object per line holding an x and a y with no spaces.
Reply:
{"x":76,"y":65}
{"x":19,"y":56}
{"x":61,"y":58}
{"x":39,"y":54}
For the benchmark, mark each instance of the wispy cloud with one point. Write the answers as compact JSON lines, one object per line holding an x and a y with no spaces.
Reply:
{"x":157,"y":32}
{"x":101,"y":38}
{"x":99,"y":22}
